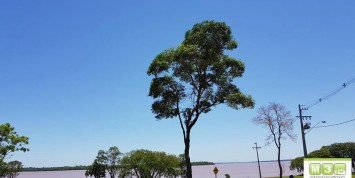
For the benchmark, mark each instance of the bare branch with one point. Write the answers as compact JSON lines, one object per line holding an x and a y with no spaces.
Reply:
{"x":278,"y":121}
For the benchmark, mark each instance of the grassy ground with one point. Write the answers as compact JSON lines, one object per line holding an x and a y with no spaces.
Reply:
{"x":287,"y":177}
{"x":302,"y":176}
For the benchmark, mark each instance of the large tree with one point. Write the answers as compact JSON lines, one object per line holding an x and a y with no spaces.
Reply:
{"x":10,"y":142}
{"x":194,"y":77}
{"x":110,"y":159}
{"x":279,"y":123}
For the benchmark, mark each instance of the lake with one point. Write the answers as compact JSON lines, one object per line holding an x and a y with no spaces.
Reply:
{"x":240,"y":170}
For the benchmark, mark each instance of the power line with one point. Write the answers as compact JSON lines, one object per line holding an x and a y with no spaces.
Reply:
{"x":337,"y":123}
{"x":344,"y":85}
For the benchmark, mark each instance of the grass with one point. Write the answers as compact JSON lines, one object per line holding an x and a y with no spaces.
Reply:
{"x":287,"y":177}
{"x":301,"y":176}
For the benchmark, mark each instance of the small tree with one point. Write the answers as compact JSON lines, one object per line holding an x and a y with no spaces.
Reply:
{"x":110,"y":159}
{"x":195,"y":77}
{"x":10,"y":170}
{"x":14,"y":168}
{"x":280,"y":125}
{"x":297,"y":164}
{"x":3,"y":169}
{"x":96,"y":169}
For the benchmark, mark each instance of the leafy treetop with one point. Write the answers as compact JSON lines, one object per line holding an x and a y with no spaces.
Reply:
{"x":194,"y":77}
{"x":197,"y":71}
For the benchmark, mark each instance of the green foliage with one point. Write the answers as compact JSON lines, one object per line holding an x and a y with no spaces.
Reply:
{"x":3,"y":169}
{"x":197,"y":68}
{"x":10,"y":141}
{"x":287,"y":177}
{"x":96,"y":169}
{"x":297,"y":164}
{"x":324,"y":152}
{"x":14,"y":168}
{"x":343,"y":150}
{"x":149,"y":164}
{"x":183,"y":167}
{"x":227,"y":175}
{"x":201,"y":163}
{"x":110,"y":159}
{"x":336,"y":150}
{"x":10,"y":170}
{"x":194,"y":77}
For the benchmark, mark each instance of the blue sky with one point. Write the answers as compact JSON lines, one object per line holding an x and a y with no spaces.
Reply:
{"x":73,"y":75}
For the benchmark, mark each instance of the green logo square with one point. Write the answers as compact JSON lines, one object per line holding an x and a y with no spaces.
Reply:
{"x":314,"y":169}
{"x":340,"y":169}
{"x":327,"y":169}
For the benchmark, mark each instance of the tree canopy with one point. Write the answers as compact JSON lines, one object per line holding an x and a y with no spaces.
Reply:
{"x":195,"y":76}
{"x":335,"y":150}
{"x":96,"y":170}
{"x":149,"y":164}
{"x":13,"y":169}
{"x":10,"y":141}
{"x":110,"y":159}
{"x":343,"y":150}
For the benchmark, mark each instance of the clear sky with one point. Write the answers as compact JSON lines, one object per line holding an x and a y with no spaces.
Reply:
{"x":73,"y":75}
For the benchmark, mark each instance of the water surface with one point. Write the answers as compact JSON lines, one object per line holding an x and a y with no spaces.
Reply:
{"x":235,"y":170}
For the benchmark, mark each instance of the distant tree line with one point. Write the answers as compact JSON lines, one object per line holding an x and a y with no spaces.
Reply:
{"x":201,"y":163}
{"x":64,"y":168}
{"x":70,"y":168}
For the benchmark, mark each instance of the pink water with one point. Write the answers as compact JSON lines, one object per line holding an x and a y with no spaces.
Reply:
{"x":235,"y":170}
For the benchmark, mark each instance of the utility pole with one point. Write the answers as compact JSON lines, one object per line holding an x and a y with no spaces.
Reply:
{"x":257,"y":155}
{"x":302,"y":131}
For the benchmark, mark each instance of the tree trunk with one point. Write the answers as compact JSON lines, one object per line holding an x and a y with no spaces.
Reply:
{"x":279,"y":161}
{"x":187,"y":155}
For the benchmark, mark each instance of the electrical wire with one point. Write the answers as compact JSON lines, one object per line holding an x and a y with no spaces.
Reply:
{"x":344,"y":85}
{"x":336,"y":124}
